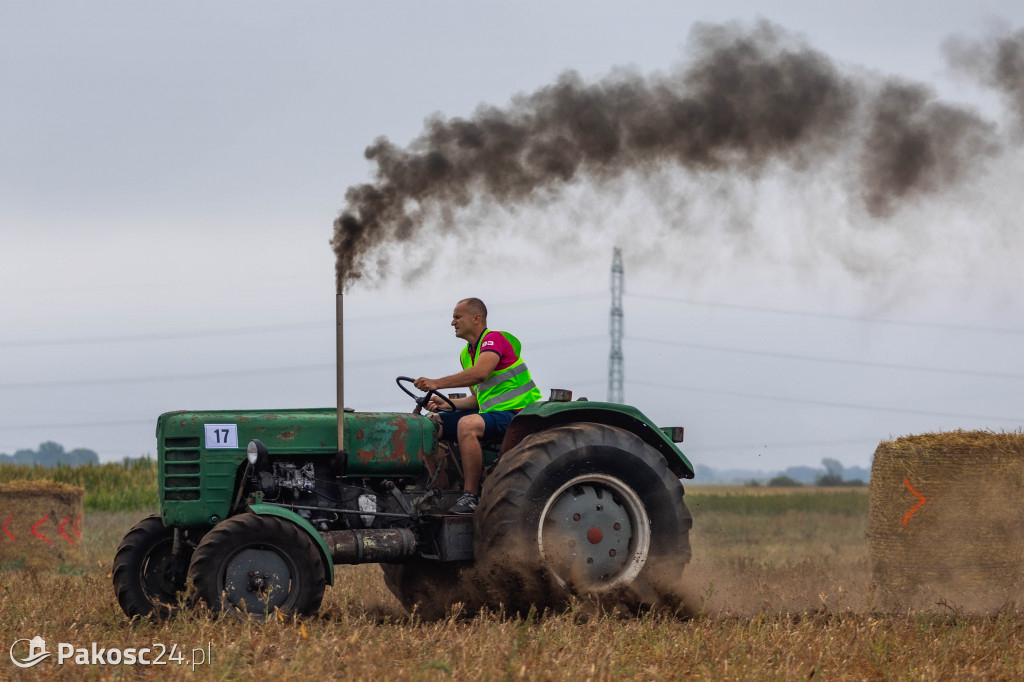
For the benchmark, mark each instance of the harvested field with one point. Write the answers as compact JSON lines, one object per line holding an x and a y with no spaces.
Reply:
{"x":779,"y":593}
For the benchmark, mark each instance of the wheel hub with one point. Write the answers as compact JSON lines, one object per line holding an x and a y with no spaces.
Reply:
{"x":156,"y":574}
{"x":594,"y":532}
{"x":260,"y":574}
{"x":258,"y":582}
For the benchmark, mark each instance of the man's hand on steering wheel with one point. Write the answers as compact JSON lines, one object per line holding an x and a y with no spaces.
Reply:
{"x":432,"y":394}
{"x":437,"y":403}
{"x":425,"y":384}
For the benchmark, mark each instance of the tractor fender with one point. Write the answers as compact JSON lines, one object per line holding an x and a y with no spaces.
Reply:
{"x":545,"y":415}
{"x":273,"y":510}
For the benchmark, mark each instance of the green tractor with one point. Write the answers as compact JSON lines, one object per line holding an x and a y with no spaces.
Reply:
{"x":579,"y":499}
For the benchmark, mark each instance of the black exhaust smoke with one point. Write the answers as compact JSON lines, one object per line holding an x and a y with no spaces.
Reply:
{"x":744,"y":101}
{"x":997,"y":63}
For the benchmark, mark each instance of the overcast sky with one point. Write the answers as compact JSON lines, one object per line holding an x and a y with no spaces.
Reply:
{"x":170,"y":173}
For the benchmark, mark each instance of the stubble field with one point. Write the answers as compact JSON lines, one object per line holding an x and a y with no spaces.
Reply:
{"x":780,"y":585}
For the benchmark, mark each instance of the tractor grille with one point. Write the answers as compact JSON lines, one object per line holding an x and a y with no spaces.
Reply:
{"x":181,"y":469}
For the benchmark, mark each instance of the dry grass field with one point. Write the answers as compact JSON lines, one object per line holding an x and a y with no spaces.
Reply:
{"x":780,"y":584}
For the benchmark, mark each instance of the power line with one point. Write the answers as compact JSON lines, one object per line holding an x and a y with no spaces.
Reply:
{"x":166,"y":336}
{"x":833,"y":360}
{"x":324,"y":324}
{"x":265,"y":371}
{"x":269,"y":328}
{"x":81,"y":425}
{"x":826,"y":403}
{"x":168,"y":377}
{"x":792,"y":444}
{"x":832,"y":316}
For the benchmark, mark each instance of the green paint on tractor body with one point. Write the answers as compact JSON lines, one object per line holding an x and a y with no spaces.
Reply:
{"x":241,"y":530}
{"x":545,"y":414}
{"x":202,"y":454}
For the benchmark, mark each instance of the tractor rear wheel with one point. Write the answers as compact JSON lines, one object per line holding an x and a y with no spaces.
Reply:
{"x":429,"y":587}
{"x":143,"y":570}
{"x":584,"y":510}
{"x":253,"y":565}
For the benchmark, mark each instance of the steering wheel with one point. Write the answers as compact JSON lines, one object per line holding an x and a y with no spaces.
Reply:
{"x":421,"y":401}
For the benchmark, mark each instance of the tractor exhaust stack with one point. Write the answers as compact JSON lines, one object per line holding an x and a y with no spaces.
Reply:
{"x":340,"y":344}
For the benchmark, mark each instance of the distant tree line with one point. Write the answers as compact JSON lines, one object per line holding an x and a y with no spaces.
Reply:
{"x":833,"y":475}
{"x":51,"y":454}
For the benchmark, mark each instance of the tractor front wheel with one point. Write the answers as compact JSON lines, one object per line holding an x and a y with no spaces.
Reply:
{"x":143,"y":571}
{"x":253,"y":565}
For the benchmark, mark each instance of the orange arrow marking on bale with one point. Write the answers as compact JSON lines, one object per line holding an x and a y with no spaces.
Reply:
{"x":37,"y":533}
{"x":917,"y":506}
{"x":60,"y":529}
{"x":74,"y":526}
{"x":5,"y":527}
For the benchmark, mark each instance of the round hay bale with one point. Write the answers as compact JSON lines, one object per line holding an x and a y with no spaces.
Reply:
{"x":40,"y":525}
{"x":946,"y":520}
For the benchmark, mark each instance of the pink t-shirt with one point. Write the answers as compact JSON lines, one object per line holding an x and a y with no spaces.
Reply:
{"x":495,"y":342}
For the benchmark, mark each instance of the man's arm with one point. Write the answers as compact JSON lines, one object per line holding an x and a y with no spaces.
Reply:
{"x":480,"y":370}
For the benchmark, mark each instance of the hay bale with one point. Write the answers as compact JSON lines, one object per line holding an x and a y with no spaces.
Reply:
{"x":40,"y":525}
{"x":946,"y":519}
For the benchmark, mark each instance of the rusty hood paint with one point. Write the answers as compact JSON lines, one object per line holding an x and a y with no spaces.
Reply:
{"x":376,"y":443}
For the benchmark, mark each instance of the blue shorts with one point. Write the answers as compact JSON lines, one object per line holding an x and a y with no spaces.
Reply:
{"x":495,"y":423}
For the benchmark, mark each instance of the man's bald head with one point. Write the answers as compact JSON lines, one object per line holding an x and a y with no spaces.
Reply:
{"x":475,"y":307}
{"x":469,"y":319}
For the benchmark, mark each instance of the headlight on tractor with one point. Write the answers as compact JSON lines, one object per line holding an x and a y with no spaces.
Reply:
{"x":256,"y":451}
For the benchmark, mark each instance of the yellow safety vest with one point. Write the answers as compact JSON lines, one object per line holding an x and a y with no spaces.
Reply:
{"x":510,"y":388}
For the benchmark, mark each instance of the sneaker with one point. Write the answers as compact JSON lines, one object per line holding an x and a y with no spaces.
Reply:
{"x":465,"y":505}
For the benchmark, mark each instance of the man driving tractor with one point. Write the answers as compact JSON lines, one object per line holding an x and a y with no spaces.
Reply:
{"x":500,"y":386}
